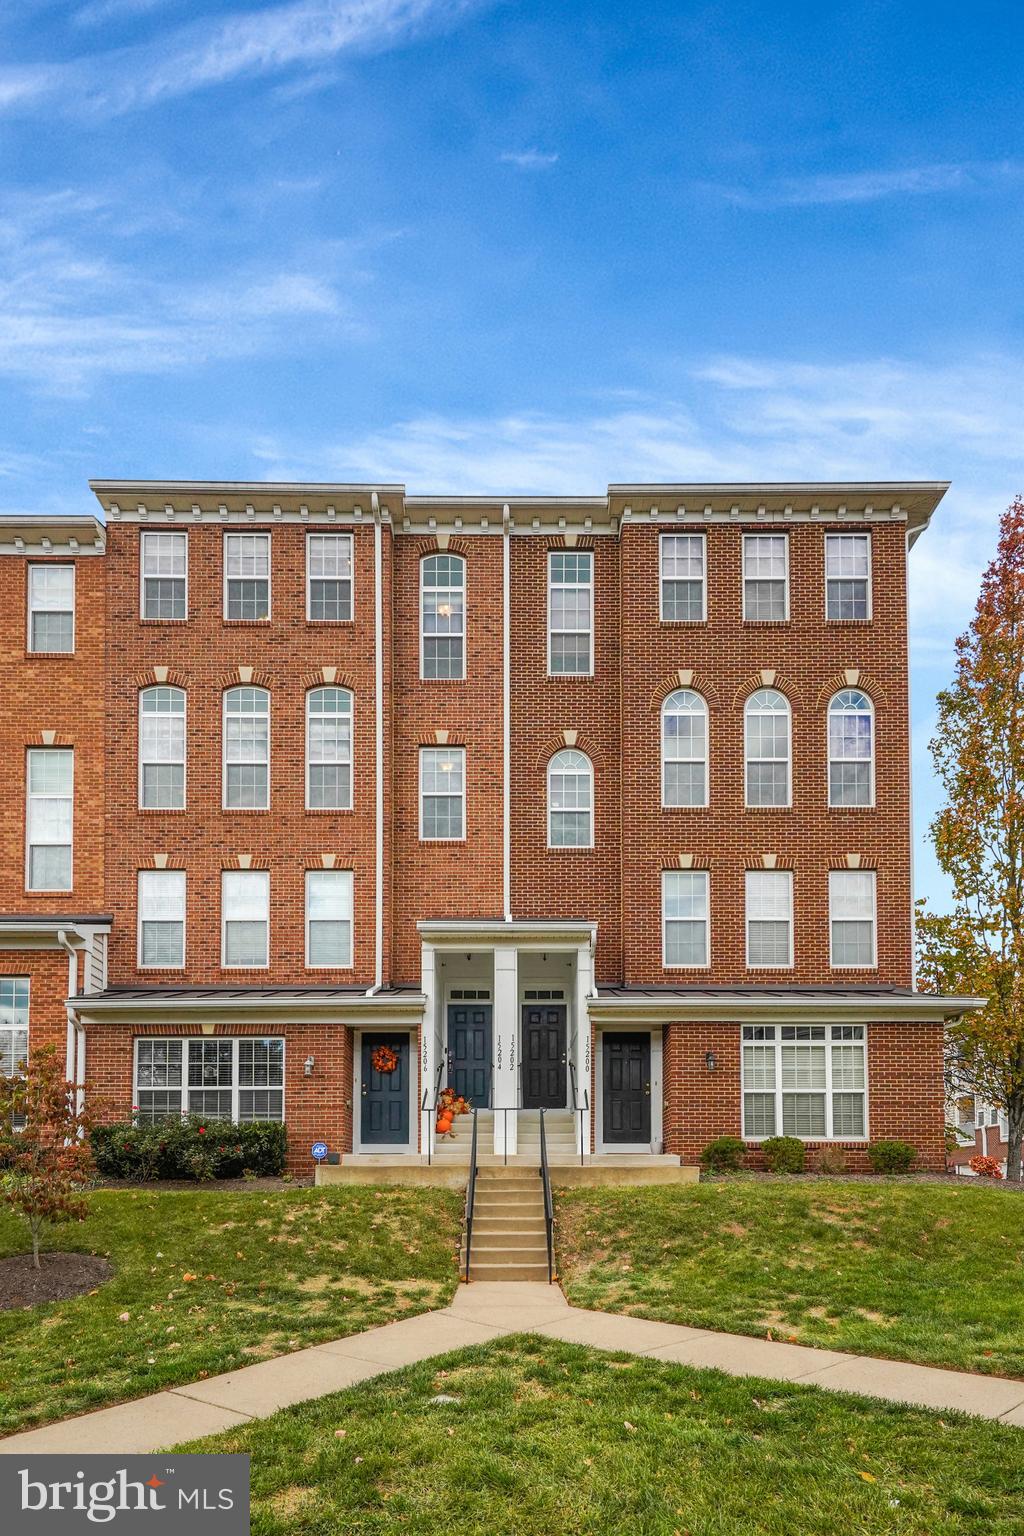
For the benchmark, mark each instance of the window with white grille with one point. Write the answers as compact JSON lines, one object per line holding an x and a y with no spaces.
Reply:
{"x":443,"y":617}
{"x":767,"y":738}
{"x":683,"y":593}
{"x":14,"y":995}
{"x":684,"y":908}
{"x":769,"y":903}
{"x":570,"y":800}
{"x":223,"y":1079}
{"x":328,"y":918}
{"x":247,"y":576}
{"x":50,"y":773}
{"x":163,"y":561}
{"x":851,"y":749}
{"x":329,"y":577}
{"x":162,"y":748}
{"x":246,"y":749}
{"x":162,"y":918}
{"x":851,"y":903}
{"x":329,"y":749}
{"x":848,"y":576}
{"x":442,"y":793}
{"x":51,"y":608}
{"x":684,"y":749}
{"x":765,"y":576}
{"x":570,"y":613}
{"x":805,"y":1080}
{"x":245,"y":918}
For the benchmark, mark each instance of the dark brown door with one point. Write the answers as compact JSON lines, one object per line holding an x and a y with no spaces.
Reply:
{"x":627,"y":1088}
{"x":544,"y":1057}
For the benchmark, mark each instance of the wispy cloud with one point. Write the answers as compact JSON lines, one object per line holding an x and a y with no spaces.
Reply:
{"x":97,"y":13}
{"x":872,"y":185}
{"x":528,"y":159}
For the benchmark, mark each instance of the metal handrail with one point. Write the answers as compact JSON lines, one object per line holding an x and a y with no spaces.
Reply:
{"x":578,"y":1108}
{"x":471,"y":1194}
{"x":549,"y":1208}
{"x":431,"y":1110}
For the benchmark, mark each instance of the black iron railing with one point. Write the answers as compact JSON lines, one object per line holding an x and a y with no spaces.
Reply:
{"x":579,"y":1109}
{"x":428,"y":1110}
{"x":549,"y":1207}
{"x":471,"y":1194}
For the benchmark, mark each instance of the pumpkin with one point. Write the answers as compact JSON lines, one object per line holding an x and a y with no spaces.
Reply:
{"x":444,"y":1125}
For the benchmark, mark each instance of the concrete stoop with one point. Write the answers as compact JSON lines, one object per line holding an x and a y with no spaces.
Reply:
{"x":509,"y":1235}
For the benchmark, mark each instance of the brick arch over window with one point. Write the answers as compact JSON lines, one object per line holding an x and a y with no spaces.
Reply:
{"x":318,"y":679}
{"x":583,"y":743}
{"x":864,"y":861}
{"x":246,"y":677}
{"x":430,"y":544}
{"x":169,"y":677}
{"x":559,"y":541}
{"x":341,"y":859}
{"x":768,"y":678}
{"x":684,"y":678}
{"x":451,"y":739}
{"x":853,"y":677}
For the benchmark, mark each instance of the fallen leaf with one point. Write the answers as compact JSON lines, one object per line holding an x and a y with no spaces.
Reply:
{"x":339,"y":1434}
{"x":124,"y":1317}
{"x":188,"y":1276}
{"x":867,"y":1477}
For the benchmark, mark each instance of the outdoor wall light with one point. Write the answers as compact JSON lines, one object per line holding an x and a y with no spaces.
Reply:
{"x":307,"y":1066}
{"x":710,"y":1060}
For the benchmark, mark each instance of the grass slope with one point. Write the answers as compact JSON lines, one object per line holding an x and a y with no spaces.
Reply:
{"x":922,"y":1272}
{"x":270,"y":1273}
{"x":552,"y":1438}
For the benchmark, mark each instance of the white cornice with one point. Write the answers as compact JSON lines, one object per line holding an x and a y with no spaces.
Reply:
{"x":871,"y":1008}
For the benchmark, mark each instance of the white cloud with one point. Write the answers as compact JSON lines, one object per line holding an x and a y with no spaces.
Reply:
{"x":528,"y":159}
{"x":871,"y":185}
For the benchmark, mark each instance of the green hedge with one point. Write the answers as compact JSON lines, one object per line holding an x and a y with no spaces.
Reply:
{"x":191,"y":1148}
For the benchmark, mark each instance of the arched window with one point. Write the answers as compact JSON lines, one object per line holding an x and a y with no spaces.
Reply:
{"x":767,"y":736}
{"x":443,"y":616}
{"x":684,"y":749}
{"x":162,"y":749}
{"x":328,"y":749}
{"x":851,"y":749}
{"x":570,"y":800}
{"x":246,"y":749}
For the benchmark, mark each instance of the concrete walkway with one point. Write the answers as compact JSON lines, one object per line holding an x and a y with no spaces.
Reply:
{"x":478,"y":1314}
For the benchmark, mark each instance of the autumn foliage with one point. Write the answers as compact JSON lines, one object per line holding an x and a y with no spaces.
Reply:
{"x":44,"y":1161}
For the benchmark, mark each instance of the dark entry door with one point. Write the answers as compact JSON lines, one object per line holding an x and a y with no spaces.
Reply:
{"x":384,"y":1116}
{"x":627,"y":1088}
{"x":544,"y":1070}
{"x":469,"y":1052}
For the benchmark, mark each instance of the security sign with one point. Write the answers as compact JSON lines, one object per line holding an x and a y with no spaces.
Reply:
{"x":319,"y":1150}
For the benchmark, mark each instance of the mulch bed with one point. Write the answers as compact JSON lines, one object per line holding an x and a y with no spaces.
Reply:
{"x":61,"y":1275}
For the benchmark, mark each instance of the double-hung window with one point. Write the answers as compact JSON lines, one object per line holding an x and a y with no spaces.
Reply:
{"x":442,"y":794}
{"x":848,"y":576}
{"x":328,"y":749}
{"x":328,"y":918}
{"x":329,"y":577}
{"x":50,"y":773}
{"x":683,"y":593}
{"x":14,"y":992}
{"x":570,"y":613}
{"x":245,"y":918}
{"x":806,"y":1080}
{"x":767,"y":739}
{"x":769,"y":903}
{"x":570,"y":800}
{"x":851,"y":776}
{"x":51,"y":608}
{"x":225,"y":1079}
{"x":684,"y":915}
{"x":851,"y":906}
{"x":765,"y":576}
{"x":247,"y":576}
{"x":162,"y":748}
{"x":164,"y":575}
{"x":443,"y":617}
{"x":246,"y":749}
{"x":162,"y":918}
{"x":684,"y":749}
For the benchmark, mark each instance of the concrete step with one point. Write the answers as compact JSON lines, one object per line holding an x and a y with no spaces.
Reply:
{"x":495,"y":1205}
{"x":503,"y":1271}
{"x":487,"y":1244}
{"x":502,"y":1226}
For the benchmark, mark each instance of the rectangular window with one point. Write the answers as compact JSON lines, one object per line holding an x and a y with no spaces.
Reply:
{"x":13,"y":1024}
{"x":765,"y":576}
{"x":848,"y":575}
{"x":162,"y":917}
{"x":50,"y":782}
{"x":245,"y":918}
{"x":236,"y":1079}
{"x":769,"y":895}
{"x":805,"y":1080}
{"x":851,"y":904}
{"x":442,"y":793}
{"x":51,"y":608}
{"x":570,"y":613}
{"x":164,"y":568}
{"x":682,"y":577}
{"x":329,"y":577}
{"x":684,"y":906}
{"x":443,"y":617}
{"x":247,"y":576}
{"x":328,"y":918}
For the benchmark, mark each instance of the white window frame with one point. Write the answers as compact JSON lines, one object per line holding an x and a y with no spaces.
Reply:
{"x":29,"y":798}
{"x":236,"y":1041}
{"x":33,"y":608}
{"x":346,"y":880}
{"x":748,"y":713}
{"x":673,"y":965}
{"x":771,"y":1035}
{"x":338,"y":538}
{"x":180,"y":877}
{"x":702,"y":539}
{"x":156,"y":533}
{"x":422,"y":758}
{"x":235,"y":688}
{"x":460,"y":676}
{"x":841,"y":805}
{"x":248,"y":533}
{"x":685,"y":805}
{"x":143,"y":761}
{"x":339,"y":714}
{"x":575,"y":810}
{"x":765,"y":533}
{"x":10,"y":1030}
{"x":573,"y":586}
{"x":783,"y":878}
{"x":835,"y":876}
{"x":264,"y":964}
{"x":852,"y":534}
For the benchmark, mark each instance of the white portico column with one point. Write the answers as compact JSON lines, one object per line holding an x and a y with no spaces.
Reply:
{"x":584,"y":988}
{"x":506,"y":1046}
{"x":429,"y":1046}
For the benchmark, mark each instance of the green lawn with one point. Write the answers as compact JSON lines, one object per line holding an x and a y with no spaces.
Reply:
{"x":271,"y":1273}
{"x":926,"y":1272}
{"x":550,"y":1439}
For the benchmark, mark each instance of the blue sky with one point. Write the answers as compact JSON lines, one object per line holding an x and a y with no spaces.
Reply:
{"x":517,"y":247}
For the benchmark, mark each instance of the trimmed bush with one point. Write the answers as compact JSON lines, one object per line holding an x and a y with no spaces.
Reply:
{"x":784,"y":1154}
{"x":724,"y":1155}
{"x":831,"y":1160}
{"x":891,"y":1156}
{"x":191,"y":1148}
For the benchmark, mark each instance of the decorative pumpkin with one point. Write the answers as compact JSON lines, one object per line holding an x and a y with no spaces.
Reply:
{"x":444,"y":1125}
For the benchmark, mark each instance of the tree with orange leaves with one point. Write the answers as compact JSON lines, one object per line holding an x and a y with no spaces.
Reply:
{"x":44,"y":1161}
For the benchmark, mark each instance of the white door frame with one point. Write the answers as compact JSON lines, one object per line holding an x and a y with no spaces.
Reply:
{"x":566,"y":1001}
{"x":411,"y":1145}
{"x":657,"y":1091}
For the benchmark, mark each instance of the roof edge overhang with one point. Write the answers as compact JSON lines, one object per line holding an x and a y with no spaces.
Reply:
{"x":44,"y":932}
{"x":49,"y":534}
{"x":353,"y":1009}
{"x":873,"y":1008}
{"x":496,"y":933}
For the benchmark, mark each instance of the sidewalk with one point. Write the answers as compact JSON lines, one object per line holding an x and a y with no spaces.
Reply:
{"x":489,"y":1310}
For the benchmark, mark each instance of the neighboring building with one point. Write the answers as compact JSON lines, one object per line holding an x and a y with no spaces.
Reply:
{"x":984,"y":1131}
{"x":592,"y":804}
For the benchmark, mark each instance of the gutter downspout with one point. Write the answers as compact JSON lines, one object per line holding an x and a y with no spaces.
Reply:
{"x":74,"y":1068}
{"x":506,"y":711}
{"x":378,"y":748}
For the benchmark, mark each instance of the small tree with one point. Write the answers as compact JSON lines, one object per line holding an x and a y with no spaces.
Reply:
{"x":44,"y":1162}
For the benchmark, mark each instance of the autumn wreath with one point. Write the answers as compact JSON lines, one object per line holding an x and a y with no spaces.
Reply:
{"x":384,"y":1059}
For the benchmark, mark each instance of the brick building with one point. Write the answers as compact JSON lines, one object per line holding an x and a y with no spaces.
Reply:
{"x":598,"y":805}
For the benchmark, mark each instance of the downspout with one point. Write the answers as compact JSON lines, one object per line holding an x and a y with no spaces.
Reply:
{"x":74,"y":1068}
{"x":506,"y":711}
{"x":378,"y":748}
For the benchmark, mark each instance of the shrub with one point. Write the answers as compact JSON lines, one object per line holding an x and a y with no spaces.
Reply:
{"x":891,"y":1156}
{"x":724,"y":1154}
{"x":831,"y":1160}
{"x":784,"y":1154}
{"x":190,"y":1148}
{"x":987,"y":1167}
